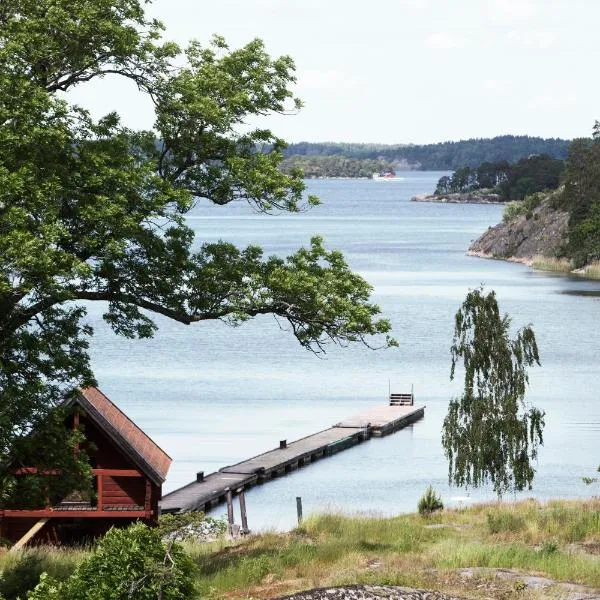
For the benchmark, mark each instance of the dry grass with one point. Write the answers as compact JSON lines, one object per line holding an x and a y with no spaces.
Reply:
{"x":544,"y":263}
{"x":591,"y":271}
{"x":414,"y":551}
{"x":455,"y":551}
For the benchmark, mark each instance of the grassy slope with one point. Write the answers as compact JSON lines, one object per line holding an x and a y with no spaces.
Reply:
{"x":560,"y":540}
{"x":413,"y":551}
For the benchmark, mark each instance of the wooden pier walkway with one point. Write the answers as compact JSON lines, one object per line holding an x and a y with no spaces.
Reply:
{"x":207,"y":492}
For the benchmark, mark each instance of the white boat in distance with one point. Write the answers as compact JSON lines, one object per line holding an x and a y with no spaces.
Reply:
{"x":387,"y":176}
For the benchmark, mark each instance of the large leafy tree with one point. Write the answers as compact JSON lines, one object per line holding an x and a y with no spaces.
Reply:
{"x":581,"y":197}
{"x":490,"y":434}
{"x":93,"y":211}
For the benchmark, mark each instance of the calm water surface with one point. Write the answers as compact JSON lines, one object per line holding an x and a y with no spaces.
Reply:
{"x":212,"y":395}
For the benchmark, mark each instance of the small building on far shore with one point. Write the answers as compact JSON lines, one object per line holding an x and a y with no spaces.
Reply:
{"x":128,"y":469}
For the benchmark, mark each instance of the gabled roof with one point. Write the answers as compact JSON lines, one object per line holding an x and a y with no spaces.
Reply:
{"x":126,"y":435}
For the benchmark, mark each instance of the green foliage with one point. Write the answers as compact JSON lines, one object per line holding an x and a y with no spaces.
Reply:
{"x":490,"y":434}
{"x":429,"y":502}
{"x":20,"y":571}
{"x":530,"y":175}
{"x":512,"y":182}
{"x":93,"y":211}
{"x":443,"y":156}
{"x":513,"y":210}
{"x":335,"y":166}
{"x":524,"y":207}
{"x":127,"y":563}
{"x":591,"y":480}
{"x":22,"y":577}
{"x":190,"y":526}
{"x":581,"y":198}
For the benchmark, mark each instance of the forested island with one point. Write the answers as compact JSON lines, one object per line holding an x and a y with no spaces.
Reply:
{"x":559,"y":229}
{"x":329,"y":159}
{"x":498,"y":182}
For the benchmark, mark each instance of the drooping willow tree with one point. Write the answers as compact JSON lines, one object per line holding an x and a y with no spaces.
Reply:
{"x":491,"y":434}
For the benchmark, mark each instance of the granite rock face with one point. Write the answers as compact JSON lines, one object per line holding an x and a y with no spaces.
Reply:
{"x":368,"y":592}
{"x":539,"y":233}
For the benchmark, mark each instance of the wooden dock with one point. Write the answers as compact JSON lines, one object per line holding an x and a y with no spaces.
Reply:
{"x":207,"y":492}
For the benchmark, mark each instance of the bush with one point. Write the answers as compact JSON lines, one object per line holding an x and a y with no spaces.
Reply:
{"x":190,"y":526}
{"x":430,"y":502}
{"x":127,"y":563}
{"x":513,"y":210}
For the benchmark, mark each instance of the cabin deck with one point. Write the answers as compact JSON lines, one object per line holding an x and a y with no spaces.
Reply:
{"x":212,"y":489}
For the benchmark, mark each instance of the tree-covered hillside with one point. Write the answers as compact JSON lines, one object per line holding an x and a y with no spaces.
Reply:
{"x":441,"y":156}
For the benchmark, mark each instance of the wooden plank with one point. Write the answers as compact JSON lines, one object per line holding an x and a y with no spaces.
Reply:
{"x":277,"y":459}
{"x":118,"y":472}
{"x":85,"y":514}
{"x":100,"y":491}
{"x":210,"y":491}
{"x":32,"y":531}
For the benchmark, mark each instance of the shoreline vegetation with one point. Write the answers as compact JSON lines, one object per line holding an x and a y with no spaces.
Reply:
{"x":557,"y":230}
{"x":524,"y":550}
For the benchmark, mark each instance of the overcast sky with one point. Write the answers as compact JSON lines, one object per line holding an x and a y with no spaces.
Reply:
{"x":399,"y":71}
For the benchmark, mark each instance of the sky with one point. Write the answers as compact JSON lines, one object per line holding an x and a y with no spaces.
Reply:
{"x":404,"y":71}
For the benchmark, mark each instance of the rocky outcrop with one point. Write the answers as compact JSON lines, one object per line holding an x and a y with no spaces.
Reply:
{"x":539,"y":232}
{"x":369,"y":592}
{"x":484,"y":196}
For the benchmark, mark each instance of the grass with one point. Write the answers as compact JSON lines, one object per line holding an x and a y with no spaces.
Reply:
{"x":591,"y":271}
{"x":410,"y":550}
{"x":545,"y":263}
{"x":559,"y":540}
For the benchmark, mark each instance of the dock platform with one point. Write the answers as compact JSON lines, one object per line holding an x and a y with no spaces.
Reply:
{"x":207,"y":492}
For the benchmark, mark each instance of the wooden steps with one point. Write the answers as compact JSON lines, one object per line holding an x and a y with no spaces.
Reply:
{"x":402,"y":399}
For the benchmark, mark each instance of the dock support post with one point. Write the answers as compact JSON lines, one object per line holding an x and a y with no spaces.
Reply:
{"x":242,"y":499}
{"x":299,"y":509}
{"x":230,"y":518}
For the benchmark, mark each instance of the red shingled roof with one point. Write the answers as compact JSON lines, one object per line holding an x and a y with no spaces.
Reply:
{"x":149,"y":457}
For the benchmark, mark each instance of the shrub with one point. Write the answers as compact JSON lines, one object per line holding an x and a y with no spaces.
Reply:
{"x":127,"y":563}
{"x":190,"y":526}
{"x":430,"y":502}
{"x":513,"y":210}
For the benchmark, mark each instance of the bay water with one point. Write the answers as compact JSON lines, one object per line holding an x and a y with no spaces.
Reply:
{"x":211,"y":395}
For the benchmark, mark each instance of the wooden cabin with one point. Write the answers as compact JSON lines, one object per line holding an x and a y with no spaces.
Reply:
{"x":128,"y":468}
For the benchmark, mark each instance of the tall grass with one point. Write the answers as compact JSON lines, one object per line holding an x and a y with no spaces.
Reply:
{"x":545,"y":263}
{"x":591,"y":271}
{"x":333,"y":549}
{"x":409,"y":550}
{"x":20,"y":571}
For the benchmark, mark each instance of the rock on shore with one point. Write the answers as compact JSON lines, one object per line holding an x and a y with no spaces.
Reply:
{"x":483,"y":196}
{"x":541,"y":232}
{"x":369,"y":592}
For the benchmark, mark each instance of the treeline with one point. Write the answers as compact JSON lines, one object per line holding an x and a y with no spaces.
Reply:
{"x":443,"y":156}
{"x":511,"y":181}
{"x":335,"y":166}
{"x":581,"y":198}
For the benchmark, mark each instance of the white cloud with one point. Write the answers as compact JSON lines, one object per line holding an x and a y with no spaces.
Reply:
{"x":319,"y":79}
{"x":444,"y":41}
{"x":535,"y":39}
{"x":497,"y":85}
{"x":512,"y":11}
{"x":550,"y":100}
